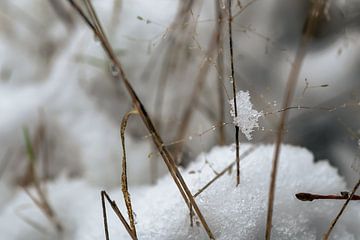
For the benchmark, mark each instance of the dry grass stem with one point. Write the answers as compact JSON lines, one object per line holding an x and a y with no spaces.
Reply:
{"x":124,"y":183}
{"x":194,"y":97}
{"x":303,"y":108}
{"x":316,"y":12}
{"x":41,"y":200}
{"x":179,"y":35}
{"x":237,"y":129}
{"x":220,"y":72}
{"x":118,"y":213}
{"x":333,"y":223}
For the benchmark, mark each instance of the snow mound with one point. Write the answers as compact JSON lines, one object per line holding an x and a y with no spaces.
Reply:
{"x":231,"y":212}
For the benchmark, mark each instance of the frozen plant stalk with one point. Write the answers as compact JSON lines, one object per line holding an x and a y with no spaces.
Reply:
{"x":247,"y":118}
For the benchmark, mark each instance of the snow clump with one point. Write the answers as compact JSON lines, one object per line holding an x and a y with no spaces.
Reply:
{"x":247,"y":117}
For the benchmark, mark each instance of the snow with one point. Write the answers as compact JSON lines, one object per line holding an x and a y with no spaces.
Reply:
{"x":247,"y":117}
{"x":232,"y":212}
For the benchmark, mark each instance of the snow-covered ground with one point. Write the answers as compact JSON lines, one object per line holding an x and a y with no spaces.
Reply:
{"x":232,"y":212}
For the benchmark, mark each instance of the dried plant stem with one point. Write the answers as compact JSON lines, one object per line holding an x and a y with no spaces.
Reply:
{"x":177,"y":40}
{"x":31,"y":222}
{"x":41,"y":201}
{"x":124,"y":183}
{"x":333,"y":223}
{"x":311,"y":197}
{"x":237,"y":129}
{"x":220,"y":72}
{"x":194,"y":97}
{"x":303,"y":108}
{"x":315,"y":13}
{"x":118,"y":213}
{"x":168,"y":159}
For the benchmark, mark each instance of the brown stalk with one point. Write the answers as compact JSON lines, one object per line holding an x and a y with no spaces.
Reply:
{"x":234,"y":94}
{"x":168,"y":159}
{"x":316,"y":11}
{"x":171,"y":59}
{"x":220,"y":72}
{"x":124,"y":183}
{"x":333,"y":223}
{"x":194,"y":97}
{"x":118,"y":213}
{"x":41,"y":200}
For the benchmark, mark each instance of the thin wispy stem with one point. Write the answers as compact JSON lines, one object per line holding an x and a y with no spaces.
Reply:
{"x":195,"y":94}
{"x":333,"y":223}
{"x":316,"y":12}
{"x":237,"y":129}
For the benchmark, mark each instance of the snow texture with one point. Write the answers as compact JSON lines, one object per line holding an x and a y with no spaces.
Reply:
{"x":247,"y":117}
{"x":232,"y":212}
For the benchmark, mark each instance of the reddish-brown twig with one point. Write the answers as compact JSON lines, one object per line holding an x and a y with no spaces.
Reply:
{"x":311,"y":197}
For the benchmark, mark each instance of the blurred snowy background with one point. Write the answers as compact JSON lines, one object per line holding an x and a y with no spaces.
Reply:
{"x":58,"y":88}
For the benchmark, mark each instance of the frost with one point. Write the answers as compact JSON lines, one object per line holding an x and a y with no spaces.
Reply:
{"x":247,"y":117}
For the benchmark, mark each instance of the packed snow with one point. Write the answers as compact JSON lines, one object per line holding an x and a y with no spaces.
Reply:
{"x":232,"y":212}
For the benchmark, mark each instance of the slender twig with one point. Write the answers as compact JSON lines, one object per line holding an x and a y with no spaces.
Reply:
{"x":124,"y":183}
{"x":237,"y":129}
{"x":118,"y":213}
{"x":106,"y":229}
{"x":302,"y":107}
{"x":311,"y":197}
{"x":316,"y":11}
{"x":333,"y":223}
{"x":168,"y":159}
